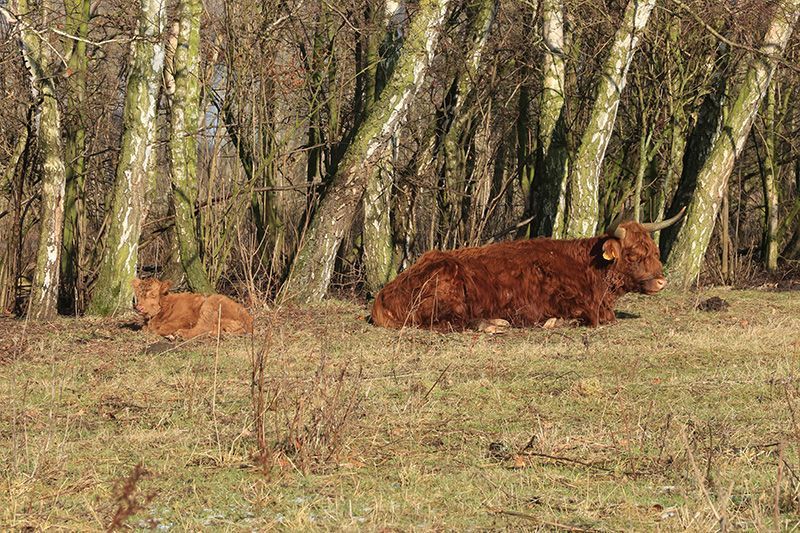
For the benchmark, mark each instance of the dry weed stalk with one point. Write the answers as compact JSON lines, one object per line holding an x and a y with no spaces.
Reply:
{"x":128,"y":504}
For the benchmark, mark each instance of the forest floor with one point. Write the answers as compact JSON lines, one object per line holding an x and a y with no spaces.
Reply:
{"x":671,"y":418}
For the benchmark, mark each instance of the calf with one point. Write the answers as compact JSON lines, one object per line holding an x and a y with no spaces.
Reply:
{"x":526,"y":282}
{"x":187,"y":314}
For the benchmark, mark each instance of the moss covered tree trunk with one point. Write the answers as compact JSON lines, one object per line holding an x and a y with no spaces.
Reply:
{"x":113,"y":292}
{"x":184,"y":121}
{"x":686,"y":256}
{"x":77,"y":24}
{"x":584,"y":184}
{"x":44,"y":289}
{"x":313,"y":265}
{"x":378,"y":243}
{"x":708,"y":126}
{"x":768,"y":180}
{"x":546,"y":197}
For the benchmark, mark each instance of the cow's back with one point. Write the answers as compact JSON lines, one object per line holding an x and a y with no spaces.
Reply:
{"x":524,"y":282}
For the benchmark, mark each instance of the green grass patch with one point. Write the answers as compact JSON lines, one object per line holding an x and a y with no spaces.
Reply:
{"x":670,"y":418}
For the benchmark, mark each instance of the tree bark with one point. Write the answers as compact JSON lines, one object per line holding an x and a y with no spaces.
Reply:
{"x":698,"y":146}
{"x":768,"y":180}
{"x":379,"y":267}
{"x":584,"y":184}
{"x":43,"y":300}
{"x":686,"y":256}
{"x":184,"y":121}
{"x":313,"y":266}
{"x":77,"y":24}
{"x":547,"y":194}
{"x":113,"y":291}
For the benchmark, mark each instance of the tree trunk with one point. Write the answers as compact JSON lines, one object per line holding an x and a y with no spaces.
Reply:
{"x":379,"y":267}
{"x":8,"y":234}
{"x":313,"y":266}
{"x":710,"y":119}
{"x":184,"y":121}
{"x":678,"y":120}
{"x":77,"y":23}
{"x":113,"y":291}
{"x":584,"y":185}
{"x":44,"y":288}
{"x":456,"y":178}
{"x":546,"y":198}
{"x":686,"y":256}
{"x":768,"y":180}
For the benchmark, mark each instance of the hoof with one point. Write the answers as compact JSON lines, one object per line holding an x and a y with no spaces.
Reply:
{"x":493,"y":326}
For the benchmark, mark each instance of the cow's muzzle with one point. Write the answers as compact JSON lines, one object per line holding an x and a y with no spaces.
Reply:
{"x":654,"y":285}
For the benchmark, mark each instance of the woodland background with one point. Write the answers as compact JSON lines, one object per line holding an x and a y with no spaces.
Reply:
{"x":281,"y":149}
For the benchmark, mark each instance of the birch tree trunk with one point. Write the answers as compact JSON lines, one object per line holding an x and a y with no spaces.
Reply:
{"x":546,"y":197}
{"x":378,"y":243}
{"x":584,"y":185}
{"x":184,"y":122}
{"x":686,"y":256}
{"x":768,"y":180}
{"x":458,"y":185}
{"x":44,"y":289}
{"x":77,"y":24}
{"x":707,"y":128}
{"x":313,"y":266}
{"x":113,"y":291}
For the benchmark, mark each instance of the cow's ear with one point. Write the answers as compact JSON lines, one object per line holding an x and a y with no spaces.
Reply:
{"x":165,"y":286}
{"x":611,"y":250}
{"x":136,"y":282}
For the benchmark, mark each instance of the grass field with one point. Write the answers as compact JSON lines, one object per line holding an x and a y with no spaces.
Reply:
{"x":672,"y":418}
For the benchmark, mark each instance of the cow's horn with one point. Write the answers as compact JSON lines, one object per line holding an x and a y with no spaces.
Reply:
{"x":655,"y":226}
{"x":615,"y":229}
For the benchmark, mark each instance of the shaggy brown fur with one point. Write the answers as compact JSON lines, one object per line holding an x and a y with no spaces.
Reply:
{"x":187,"y":314}
{"x":523,"y":282}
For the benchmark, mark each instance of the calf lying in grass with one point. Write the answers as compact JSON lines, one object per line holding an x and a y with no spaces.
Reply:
{"x":187,"y":314}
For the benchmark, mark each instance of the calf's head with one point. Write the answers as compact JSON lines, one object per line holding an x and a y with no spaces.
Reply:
{"x":633,"y":254}
{"x":147,"y":295}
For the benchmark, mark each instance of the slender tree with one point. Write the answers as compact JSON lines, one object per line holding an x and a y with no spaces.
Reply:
{"x":36,"y":54}
{"x":77,"y":27}
{"x":584,"y":184}
{"x":113,"y":291}
{"x":685,"y":259}
{"x":184,"y":122}
{"x":769,"y":183}
{"x":546,"y":197}
{"x":313,"y":266}
{"x":378,"y":244}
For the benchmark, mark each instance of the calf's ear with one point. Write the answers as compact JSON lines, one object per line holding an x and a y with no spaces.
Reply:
{"x":611,"y":249}
{"x":136,"y":282}
{"x":165,"y":286}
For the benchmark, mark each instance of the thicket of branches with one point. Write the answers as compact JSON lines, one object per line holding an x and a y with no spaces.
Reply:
{"x":287,"y":90}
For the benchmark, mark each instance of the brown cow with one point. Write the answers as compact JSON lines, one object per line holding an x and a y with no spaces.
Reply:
{"x":187,"y":314}
{"x":525,"y":282}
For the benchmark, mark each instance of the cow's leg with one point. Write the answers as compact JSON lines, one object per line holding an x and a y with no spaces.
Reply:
{"x":163,"y":328}
{"x":230,"y":325}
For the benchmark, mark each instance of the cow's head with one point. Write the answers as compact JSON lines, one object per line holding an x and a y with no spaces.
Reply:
{"x":633,"y":254}
{"x":147,"y":295}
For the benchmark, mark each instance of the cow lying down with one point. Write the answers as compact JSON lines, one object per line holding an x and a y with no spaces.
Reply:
{"x":525,"y":282}
{"x":187,"y":314}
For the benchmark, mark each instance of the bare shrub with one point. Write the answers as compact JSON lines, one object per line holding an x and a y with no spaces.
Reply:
{"x":311,"y":418}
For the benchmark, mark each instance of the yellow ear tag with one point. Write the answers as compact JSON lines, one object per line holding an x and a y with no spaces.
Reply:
{"x":607,"y":256}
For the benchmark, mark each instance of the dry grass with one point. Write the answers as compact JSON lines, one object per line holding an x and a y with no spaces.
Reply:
{"x":672,"y":418}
